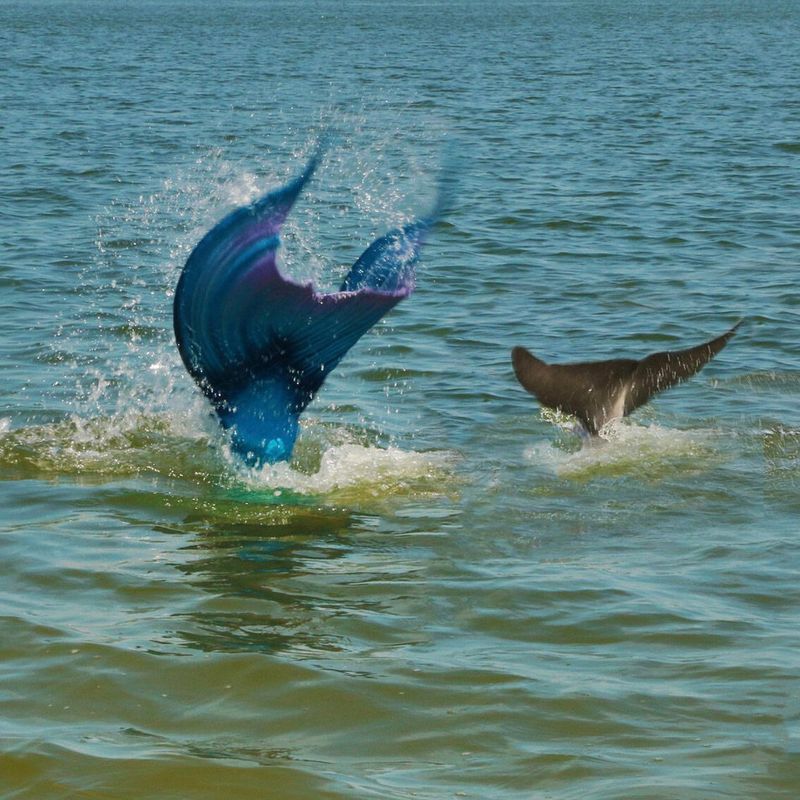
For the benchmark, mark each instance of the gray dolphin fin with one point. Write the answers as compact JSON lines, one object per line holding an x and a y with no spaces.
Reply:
{"x":588,"y":391}
{"x":661,"y":371}
{"x":598,"y":391}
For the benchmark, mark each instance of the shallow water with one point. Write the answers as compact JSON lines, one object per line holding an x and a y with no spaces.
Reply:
{"x":444,"y":594}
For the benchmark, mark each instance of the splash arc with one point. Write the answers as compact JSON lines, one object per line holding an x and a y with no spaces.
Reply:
{"x":597,"y":392}
{"x":259,"y":344}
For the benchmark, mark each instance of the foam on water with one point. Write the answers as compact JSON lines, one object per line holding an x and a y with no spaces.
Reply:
{"x":628,"y":448}
{"x":190,"y":446}
{"x":130,"y":443}
{"x":378,"y":470}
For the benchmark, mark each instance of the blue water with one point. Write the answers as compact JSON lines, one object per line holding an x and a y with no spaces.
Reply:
{"x":443,"y":595}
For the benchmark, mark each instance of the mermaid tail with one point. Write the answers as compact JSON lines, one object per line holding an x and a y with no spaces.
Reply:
{"x":260,"y":345}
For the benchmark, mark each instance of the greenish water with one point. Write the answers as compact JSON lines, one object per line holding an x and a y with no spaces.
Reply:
{"x":442,"y":595}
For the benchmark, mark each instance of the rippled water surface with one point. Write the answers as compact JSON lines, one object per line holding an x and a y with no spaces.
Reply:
{"x":444,"y":594}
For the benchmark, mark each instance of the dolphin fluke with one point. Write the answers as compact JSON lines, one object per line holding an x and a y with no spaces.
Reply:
{"x":598,"y":391}
{"x":259,"y":344}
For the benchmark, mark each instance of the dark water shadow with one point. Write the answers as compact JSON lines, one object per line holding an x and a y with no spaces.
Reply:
{"x":260,"y":571}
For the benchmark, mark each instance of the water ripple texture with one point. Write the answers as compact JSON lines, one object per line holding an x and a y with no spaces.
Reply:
{"x":444,"y":594}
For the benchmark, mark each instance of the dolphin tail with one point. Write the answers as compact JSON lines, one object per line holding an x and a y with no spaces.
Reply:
{"x":586,"y":391}
{"x":596,"y":392}
{"x":661,"y":371}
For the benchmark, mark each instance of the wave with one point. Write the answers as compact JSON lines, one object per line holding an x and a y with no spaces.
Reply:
{"x":625,"y":448}
{"x":190,"y":447}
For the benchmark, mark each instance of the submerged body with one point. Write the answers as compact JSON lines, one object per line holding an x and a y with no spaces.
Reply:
{"x":260,"y":345}
{"x":597,"y":392}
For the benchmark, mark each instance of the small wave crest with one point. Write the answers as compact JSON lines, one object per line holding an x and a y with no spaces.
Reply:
{"x":120,"y":445}
{"x":624,"y":448}
{"x":190,"y":447}
{"x":377,"y":471}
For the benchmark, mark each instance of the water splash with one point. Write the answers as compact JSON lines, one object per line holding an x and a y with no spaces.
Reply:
{"x":125,"y":405}
{"x":379,"y":472}
{"x":191,"y":448}
{"x":624,"y":448}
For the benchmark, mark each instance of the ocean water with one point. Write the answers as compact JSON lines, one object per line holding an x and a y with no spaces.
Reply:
{"x":443,"y":595}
